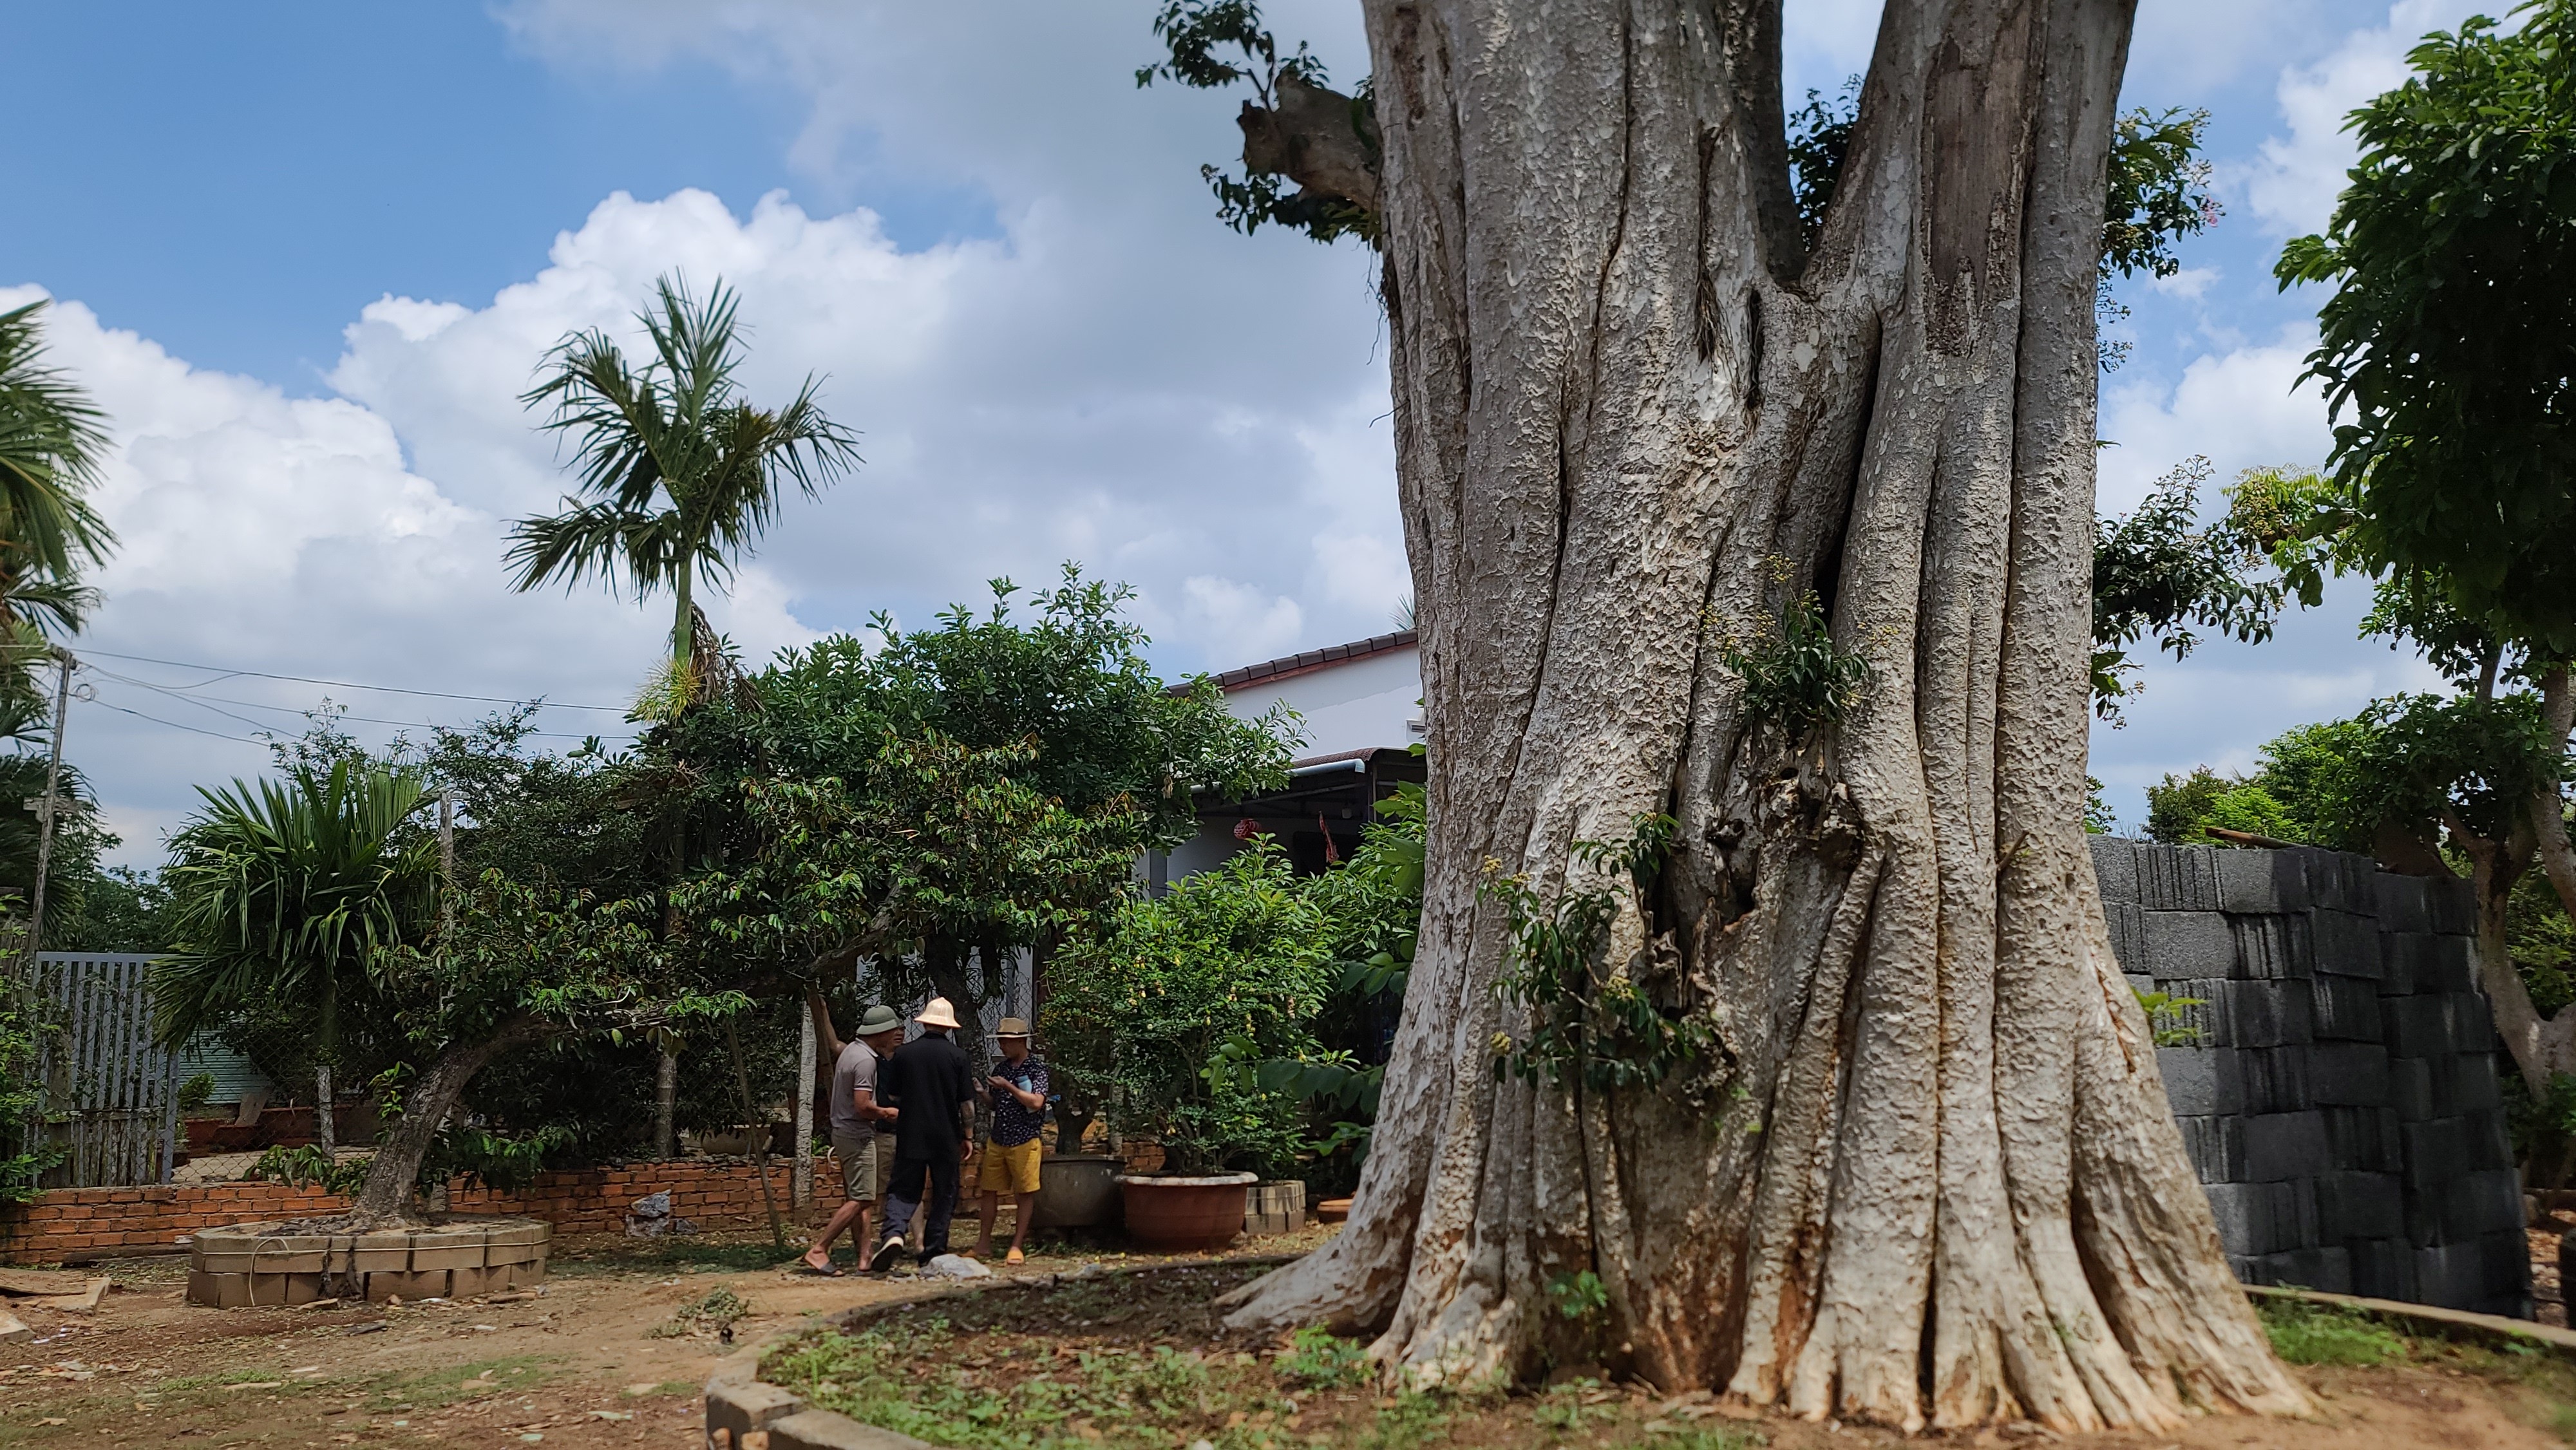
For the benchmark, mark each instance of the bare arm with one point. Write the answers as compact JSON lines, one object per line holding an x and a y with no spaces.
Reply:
{"x":823,"y":1033}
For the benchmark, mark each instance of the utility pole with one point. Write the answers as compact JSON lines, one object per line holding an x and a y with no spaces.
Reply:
{"x":49,"y":805}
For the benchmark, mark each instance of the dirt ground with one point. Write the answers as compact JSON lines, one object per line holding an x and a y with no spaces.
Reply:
{"x":577,"y":1366}
{"x":581,"y":1366}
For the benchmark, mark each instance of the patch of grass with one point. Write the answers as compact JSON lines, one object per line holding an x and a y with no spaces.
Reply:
{"x":916,"y":1380}
{"x":1706,"y":1437}
{"x":1323,"y":1360}
{"x":1564,"y":1408}
{"x":2308,"y":1333}
{"x":437,"y":1388}
{"x":1413,"y":1420}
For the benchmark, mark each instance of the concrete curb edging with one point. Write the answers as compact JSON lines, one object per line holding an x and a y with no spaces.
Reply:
{"x":2430,"y":1316}
{"x":744,"y":1412}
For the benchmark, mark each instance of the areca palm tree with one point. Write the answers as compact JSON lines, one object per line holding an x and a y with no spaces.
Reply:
{"x":283,"y":895}
{"x":678,"y":474}
{"x":51,"y":440}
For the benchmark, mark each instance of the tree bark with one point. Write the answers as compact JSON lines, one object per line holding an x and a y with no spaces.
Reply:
{"x":666,"y":1098}
{"x":1928,"y":1175}
{"x":2541,"y":1046}
{"x":386,"y":1196}
{"x":324,"y":1129}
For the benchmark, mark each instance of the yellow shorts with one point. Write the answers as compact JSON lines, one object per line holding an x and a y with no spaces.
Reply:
{"x":1009,"y":1170}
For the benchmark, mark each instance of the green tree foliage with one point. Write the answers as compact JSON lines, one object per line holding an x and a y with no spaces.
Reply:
{"x":678,"y":473}
{"x":1217,"y":44}
{"x":1004,"y":770}
{"x":2448,"y":345}
{"x":1176,"y":1005}
{"x":1371,"y":909}
{"x":2159,"y":573}
{"x":1796,"y":678}
{"x":283,"y":892}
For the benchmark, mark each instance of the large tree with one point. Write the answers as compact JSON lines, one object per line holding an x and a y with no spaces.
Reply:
{"x":1652,"y":447}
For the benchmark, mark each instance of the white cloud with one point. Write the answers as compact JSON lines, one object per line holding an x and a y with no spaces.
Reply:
{"x":2239,"y":409}
{"x":1251,"y":624}
{"x":2294,"y":179}
{"x":2190,"y":284}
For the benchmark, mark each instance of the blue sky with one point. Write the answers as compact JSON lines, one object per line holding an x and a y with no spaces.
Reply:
{"x":306,"y":253}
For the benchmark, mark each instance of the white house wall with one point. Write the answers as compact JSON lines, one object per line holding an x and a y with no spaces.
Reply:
{"x":1347,"y":705}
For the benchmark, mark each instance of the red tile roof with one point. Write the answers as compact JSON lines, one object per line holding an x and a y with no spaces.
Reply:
{"x":1314,"y":659}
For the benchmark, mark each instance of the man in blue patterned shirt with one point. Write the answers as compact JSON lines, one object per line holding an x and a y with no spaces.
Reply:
{"x":1018,"y":1090}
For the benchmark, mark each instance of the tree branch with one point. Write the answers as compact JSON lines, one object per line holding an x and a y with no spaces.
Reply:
{"x":1317,"y":138}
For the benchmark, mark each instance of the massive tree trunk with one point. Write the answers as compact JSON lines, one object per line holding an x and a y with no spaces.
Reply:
{"x":1928,"y":1175}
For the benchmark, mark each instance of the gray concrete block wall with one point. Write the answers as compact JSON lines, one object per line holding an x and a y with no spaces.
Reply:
{"x":2342,"y":1105}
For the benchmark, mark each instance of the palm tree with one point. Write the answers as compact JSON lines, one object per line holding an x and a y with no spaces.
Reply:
{"x":678,"y":474}
{"x":51,"y":440}
{"x":284,"y":892}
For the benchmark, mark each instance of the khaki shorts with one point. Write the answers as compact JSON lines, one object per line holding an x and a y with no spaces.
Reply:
{"x":1009,"y":1170}
{"x":862,"y":1180}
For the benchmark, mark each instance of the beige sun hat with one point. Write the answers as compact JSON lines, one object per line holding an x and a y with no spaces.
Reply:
{"x":937,"y":1014}
{"x":1012,"y":1027}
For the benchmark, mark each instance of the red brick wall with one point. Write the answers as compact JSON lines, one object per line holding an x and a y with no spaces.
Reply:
{"x":70,"y":1224}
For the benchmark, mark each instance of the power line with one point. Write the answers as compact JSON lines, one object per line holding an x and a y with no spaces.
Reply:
{"x":209,"y":702}
{"x":175,"y":725}
{"x":223,"y":673}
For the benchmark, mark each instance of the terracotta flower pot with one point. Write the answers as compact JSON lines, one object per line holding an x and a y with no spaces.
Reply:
{"x":1182,"y":1214}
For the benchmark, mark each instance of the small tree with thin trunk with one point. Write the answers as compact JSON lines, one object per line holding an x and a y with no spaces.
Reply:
{"x":522,"y":964}
{"x":1914,"y":1162}
{"x":2446,"y":351}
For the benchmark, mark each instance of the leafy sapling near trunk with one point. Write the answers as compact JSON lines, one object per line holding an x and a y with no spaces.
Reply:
{"x":1591,"y":1021}
{"x":1795,"y":676}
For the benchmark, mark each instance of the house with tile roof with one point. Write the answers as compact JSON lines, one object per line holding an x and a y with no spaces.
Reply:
{"x":1359,"y":706}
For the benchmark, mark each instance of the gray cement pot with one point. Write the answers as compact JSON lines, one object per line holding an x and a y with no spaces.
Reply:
{"x":1077,"y":1190}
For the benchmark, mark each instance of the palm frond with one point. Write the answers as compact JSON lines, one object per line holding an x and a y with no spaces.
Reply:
{"x":286,"y":891}
{"x":52,"y":440}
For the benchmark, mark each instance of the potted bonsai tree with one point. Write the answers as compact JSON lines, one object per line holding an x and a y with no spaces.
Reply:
{"x":1159,"y":1009}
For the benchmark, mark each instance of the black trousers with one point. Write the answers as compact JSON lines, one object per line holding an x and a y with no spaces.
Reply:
{"x":903,"y":1197}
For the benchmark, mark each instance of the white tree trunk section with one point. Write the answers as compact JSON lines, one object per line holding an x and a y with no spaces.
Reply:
{"x":1929,"y":1178}
{"x":324,"y":1129}
{"x":800,"y":1179}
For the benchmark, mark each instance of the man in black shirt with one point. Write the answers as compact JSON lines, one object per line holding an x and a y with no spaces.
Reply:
{"x":930,"y":1084}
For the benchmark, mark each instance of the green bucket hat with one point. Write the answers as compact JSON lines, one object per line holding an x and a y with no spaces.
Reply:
{"x":879,"y":1018}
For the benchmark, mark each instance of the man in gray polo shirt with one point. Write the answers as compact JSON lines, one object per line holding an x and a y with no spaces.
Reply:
{"x":865,"y":1155}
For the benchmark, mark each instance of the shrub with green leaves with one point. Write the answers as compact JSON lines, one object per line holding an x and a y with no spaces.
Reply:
{"x":1184,"y":995}
{"x":1795,"y":677}
{"x":1589,"y":1021}
{"x":1320,"y":1359}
